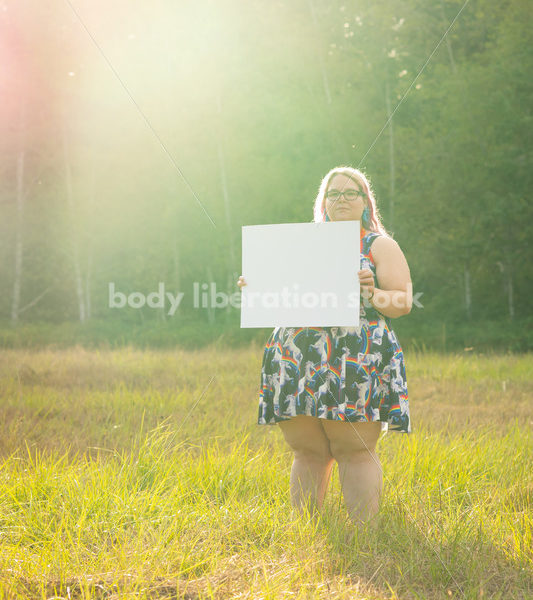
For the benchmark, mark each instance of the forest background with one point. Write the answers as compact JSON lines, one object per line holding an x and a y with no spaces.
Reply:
{"x":138,"y":140}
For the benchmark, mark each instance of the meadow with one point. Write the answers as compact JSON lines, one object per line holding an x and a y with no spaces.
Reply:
{"x":131,"y":473}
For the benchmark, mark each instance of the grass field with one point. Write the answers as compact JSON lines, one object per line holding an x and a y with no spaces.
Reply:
{"x":142,"y":474}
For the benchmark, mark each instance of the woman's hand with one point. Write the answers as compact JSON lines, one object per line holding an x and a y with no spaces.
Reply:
{"x":366,"y":279}
{"x":240,"y":282}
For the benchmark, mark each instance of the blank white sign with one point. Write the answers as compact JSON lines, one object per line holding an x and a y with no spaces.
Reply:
{"x":301,"y":274}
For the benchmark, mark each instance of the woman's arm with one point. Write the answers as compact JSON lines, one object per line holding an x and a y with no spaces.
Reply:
{"x":394,"y":297}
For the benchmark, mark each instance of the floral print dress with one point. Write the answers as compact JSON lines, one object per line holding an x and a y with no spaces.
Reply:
{"x":337,"y":373}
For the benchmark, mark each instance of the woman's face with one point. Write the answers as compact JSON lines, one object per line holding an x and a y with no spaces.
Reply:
{"x":340,"y":207}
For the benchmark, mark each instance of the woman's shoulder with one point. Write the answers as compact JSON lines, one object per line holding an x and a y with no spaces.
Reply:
{"x":369,"y":238}
{"x":371,"y":235}
{"x":385,"y":247}
{"x":384,"y":241}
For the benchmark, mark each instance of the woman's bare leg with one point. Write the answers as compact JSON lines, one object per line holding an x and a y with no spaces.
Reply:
{"x":360,"y":472}
{"x":309,"y":482}
{"x":312,"y":464}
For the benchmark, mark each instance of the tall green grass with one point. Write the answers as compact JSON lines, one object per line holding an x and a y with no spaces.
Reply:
{"x":130,"y":474}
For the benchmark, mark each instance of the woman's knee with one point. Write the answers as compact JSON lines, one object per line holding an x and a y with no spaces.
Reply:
{"x":353,"y":441}
{"x":306,"y":438}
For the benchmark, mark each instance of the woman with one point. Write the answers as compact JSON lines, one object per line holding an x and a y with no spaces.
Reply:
{"x":332,"y":390}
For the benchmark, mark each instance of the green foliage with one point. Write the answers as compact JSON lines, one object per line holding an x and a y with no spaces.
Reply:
{"x":249,"y":106}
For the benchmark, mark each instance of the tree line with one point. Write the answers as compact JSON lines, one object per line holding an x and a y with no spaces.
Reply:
{"x":134,"y":156}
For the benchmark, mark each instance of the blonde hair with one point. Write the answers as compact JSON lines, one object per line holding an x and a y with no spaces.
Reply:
{"x":319,"y":210}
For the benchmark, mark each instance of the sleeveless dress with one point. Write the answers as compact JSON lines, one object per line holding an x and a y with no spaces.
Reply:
{"x":337,"y":373}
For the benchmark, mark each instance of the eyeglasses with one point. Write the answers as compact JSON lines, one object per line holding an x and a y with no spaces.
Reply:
{"x":350,"y":195}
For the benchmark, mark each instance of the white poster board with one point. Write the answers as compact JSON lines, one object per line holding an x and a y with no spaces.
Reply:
{"x":301,"y":274}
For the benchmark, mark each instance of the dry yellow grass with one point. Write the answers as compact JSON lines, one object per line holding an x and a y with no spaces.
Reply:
{"x":143,"y":474}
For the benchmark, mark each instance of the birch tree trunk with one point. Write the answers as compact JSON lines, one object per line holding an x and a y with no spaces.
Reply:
{"x":323,"y":71}
{"x":73,"y":237}
{"x":468,"y":294}
{"x":17,"y":283}
{"x":88,"y":283}
{"x":507,"y":279}
{"x":448,"y":43}
{"x":510,"y":299}
{"x":232,"y":273}
{"x":177,"y":278}
{"x":391,"y":158}
{"x":210,"y":307}
{"x":90,"y":244}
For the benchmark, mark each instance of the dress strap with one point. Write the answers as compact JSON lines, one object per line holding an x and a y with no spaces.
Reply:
{"x":368,"y":239}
